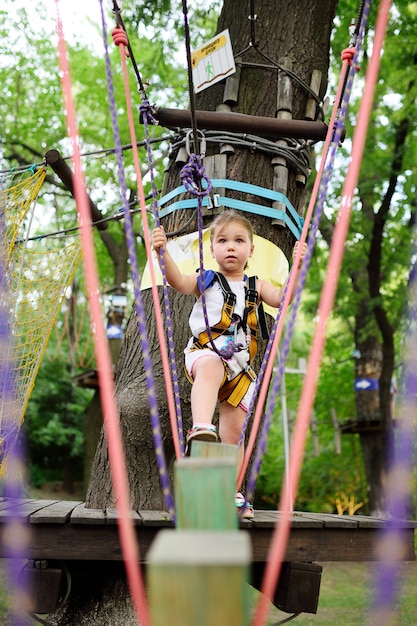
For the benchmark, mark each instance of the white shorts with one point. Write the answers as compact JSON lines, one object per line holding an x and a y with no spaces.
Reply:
{"x":232,"y":367}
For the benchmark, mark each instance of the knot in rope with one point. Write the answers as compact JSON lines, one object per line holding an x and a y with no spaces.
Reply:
{"x":228,"y":351}
{"x":192,"y":175}
{"x":348,"y":55}
{"x":120,"y":38}
{"x":146,"y":109}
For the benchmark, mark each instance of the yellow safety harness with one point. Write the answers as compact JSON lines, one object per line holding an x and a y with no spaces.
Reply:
{"x":253,"y":319}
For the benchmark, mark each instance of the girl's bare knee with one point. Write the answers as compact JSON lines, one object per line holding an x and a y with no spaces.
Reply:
{"x":208,"y":367}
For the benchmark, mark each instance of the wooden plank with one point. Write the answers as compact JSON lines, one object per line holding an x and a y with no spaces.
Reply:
{"x":313,"y":537}
{"x":328,"y":544}
{"x":25,"y":508}
{"x":82,"y":515}
{"x":156,"y":518}
{"x":112,"y":516}
{"x":56,"y":513}
{"x":315,"y":544}
{"x":202,"y":577}
{"x":268,"y":519}
{"x":9,"y":503}
{"x":364,"y":521}
{"x":335,"y":521}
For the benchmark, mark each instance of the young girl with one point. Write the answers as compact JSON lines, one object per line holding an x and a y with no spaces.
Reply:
{"x":214,"y":360}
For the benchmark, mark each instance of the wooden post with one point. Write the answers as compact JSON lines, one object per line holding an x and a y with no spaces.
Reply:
{"x":284,"y":112}
{"x":231,"y":88}
{"x":205,"y":492}
{"x":198,"y":574}
{"x":311,"y":107}
{"x":199,"y":578}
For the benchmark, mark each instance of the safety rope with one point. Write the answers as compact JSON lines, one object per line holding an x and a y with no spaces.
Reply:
{"x":173,"y":408}
{"x":140,"y":311}
{"x":120,"y":39}
{"x":129,"y":546}
{"x":192,"y":176}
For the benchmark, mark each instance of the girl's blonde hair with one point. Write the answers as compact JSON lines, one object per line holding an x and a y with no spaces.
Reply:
{"x":230,"y":216}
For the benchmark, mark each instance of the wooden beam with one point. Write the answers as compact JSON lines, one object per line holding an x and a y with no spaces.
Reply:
{"x":238,"y":122}
{"x":54,"y":159}
{"x":199,"y":577}
{"x":54,"y":534}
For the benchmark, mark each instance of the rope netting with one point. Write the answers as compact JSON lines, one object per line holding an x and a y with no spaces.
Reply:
{"x":37,"y":274}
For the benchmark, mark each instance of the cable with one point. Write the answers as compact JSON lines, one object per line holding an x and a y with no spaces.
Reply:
{"x":190,"y":76}
{"x":287,"y":620}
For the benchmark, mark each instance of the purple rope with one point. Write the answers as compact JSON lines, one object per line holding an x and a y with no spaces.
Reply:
{"x":18,"y":544}
{"x":140,"y":312}
{"x":192,"y":176}
{"x":276,"y":383}
{"x":147,"y":116}
{"x":390,"y":543}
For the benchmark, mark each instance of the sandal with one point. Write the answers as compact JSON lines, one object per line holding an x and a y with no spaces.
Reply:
{"x":247,"y":511}
{"x":201,"y":432}
{"x":244,"y":508}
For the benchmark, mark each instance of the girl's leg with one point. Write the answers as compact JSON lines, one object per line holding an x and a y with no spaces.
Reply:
{"x":208,"y":374}
{"x":230,"y":426}
{"x":231,"y":420}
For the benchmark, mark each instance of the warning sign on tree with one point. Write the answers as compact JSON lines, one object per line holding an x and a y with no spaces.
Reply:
{"x":212,"y":62}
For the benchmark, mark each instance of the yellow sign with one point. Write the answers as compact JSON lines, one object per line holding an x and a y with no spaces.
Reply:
{"x":212,"y":62}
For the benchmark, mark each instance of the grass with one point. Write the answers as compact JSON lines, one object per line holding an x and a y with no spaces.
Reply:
{"x":345,"y":597}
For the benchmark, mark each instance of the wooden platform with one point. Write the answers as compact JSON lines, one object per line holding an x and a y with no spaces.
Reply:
{"x":68,"y":531}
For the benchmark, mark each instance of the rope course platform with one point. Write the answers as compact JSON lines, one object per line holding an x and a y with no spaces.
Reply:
{"x":67,"y":530}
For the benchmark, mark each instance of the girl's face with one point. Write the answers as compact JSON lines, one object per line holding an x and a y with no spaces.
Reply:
{"x":231,"y":247}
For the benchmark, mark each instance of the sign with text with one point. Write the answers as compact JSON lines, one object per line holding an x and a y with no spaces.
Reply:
{"x":212,"y":62}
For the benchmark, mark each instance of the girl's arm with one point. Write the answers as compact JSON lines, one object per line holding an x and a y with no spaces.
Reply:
{"x":184,"y":283}
{"x":273,"y":295}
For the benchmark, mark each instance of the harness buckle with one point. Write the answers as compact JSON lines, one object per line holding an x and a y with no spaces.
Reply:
{"x":250,"y":373}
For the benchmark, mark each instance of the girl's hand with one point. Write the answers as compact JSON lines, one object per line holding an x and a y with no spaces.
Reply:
{"x":159,"y":239}
{"x":301,"y":251}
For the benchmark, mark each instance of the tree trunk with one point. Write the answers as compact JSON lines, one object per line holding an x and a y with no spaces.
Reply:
{"x":299,"y":31}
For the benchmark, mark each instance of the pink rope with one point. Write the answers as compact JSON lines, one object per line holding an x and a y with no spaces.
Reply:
{"x":120,"y":39}
{"x":282,"y":530}
{"x":129,"y":546}
{"x":263,"y":392}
